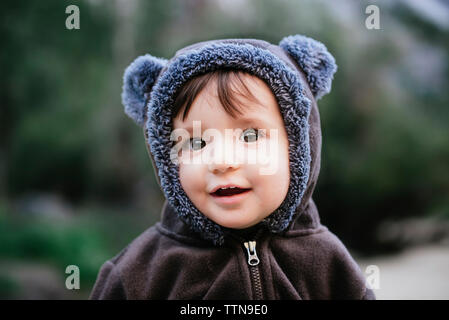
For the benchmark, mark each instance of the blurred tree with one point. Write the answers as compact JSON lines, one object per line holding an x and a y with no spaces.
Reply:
{"x":52,"y":77}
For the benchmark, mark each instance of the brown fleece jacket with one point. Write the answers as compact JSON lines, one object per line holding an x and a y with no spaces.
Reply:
{"x":170,"y":261}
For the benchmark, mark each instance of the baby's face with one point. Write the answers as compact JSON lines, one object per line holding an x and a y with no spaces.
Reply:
{"x":228,"y":151}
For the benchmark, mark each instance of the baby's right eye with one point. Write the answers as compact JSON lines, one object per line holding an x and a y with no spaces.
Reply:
{"x":197,"y":143}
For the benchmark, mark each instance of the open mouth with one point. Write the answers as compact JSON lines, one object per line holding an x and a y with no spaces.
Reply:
{"x":229,"y":192}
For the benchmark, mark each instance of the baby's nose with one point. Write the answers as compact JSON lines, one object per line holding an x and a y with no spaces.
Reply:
{"x":222,"y":167}
{"x":224,"y":156}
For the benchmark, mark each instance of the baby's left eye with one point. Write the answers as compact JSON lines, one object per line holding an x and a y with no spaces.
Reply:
{"x":250,"y":135}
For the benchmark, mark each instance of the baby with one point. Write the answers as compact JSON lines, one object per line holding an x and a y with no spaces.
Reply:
{"x":233,"y":131}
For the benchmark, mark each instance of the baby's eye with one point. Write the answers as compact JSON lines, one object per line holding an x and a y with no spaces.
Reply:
{"x":197,"y":143}
{"x":250,"y":135}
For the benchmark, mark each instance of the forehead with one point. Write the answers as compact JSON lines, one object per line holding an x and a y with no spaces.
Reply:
{"x":207,"y":107}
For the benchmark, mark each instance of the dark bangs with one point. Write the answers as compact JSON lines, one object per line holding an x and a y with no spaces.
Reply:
{"x":230,"y":85}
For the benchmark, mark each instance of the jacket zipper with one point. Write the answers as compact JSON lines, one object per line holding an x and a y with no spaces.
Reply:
{"x":253,"y":262}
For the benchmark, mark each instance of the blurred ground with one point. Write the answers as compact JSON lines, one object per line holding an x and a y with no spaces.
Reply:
{"x":417,"y":273}
{"x":36,"y":281}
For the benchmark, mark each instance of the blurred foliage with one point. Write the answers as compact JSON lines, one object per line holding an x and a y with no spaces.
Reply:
{"x":61,"y":244}
{"x":86,"y":241}
{"x":8,"y":287}
{"x":385,"y":149}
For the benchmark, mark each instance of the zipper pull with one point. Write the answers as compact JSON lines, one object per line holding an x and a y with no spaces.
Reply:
{"x":253,"y":259}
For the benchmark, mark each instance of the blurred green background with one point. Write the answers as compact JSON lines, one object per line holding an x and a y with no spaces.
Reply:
{"x":76,"y":183}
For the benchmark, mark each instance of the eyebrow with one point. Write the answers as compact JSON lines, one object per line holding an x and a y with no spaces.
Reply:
{"x":252,"y":120}
{"x":255,"y":118}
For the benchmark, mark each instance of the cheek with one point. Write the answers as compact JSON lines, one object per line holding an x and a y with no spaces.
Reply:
{"x":276,"y":159}
{"x":284,"y":167}
{"x":184,"y":177}
{"x":272,"y":177}
{"x":190,"y":177}
{"x":279,"y":177}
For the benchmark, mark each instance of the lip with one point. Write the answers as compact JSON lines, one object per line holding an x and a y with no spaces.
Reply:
{"x":226,"y":186}
{"x":231,"y":199}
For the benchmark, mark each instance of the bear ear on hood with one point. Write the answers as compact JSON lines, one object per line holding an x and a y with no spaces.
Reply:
{"x":314,"y":59}
{"x":138,"y":79}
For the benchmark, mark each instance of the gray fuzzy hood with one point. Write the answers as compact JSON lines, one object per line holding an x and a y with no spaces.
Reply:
{"x":299,"y":71}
